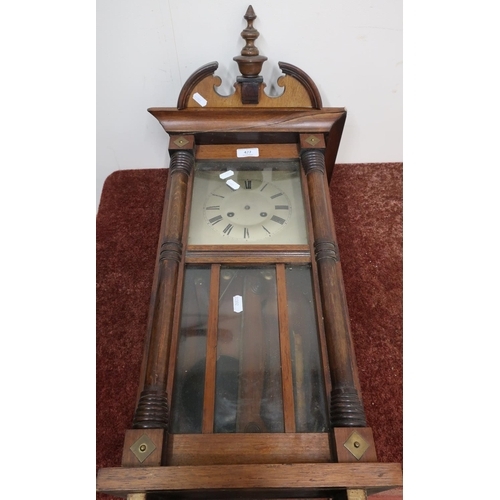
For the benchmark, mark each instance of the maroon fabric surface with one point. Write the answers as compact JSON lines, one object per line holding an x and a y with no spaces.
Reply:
{"x":367,"y":206}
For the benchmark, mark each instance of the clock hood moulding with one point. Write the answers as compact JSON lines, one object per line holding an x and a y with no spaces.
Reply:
{"x":215,"y":119}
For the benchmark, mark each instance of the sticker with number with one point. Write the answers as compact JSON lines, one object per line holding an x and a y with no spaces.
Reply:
{"x":246,"y":152}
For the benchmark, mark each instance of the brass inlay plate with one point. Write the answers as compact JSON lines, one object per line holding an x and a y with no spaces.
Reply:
{"x":181,"y":142}
{"x":312,"y":140}
{"x":142,"y":448}
{"x":356,"y":495}
{"x":357,"y":445}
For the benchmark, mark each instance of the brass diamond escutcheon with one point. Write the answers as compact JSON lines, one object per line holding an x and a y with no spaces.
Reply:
{"x":181,"y":142}
{"x":357,"y":445}
{"x":312,"y":140}
{"x":143,"y":447}
{"x":356,"y":494}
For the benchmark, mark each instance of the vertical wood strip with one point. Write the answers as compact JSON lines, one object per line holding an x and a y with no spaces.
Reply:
{"x":252,"y":356}
{"x":286,"y":360}
{"x":211,"y":360}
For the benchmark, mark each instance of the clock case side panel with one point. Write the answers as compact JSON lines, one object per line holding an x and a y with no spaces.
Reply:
{"x":347,"y":416}
{"x":151,"y":418}
{"x":154,"y":288}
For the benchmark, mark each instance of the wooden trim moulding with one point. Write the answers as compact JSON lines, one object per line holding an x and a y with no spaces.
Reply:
{"x":285,"y":355}
{"x":248,"y":448}
{"x":237,"y":254}
{"x":210,"y":481}
{"x":300,"y":120}
{"x":266,"y":151}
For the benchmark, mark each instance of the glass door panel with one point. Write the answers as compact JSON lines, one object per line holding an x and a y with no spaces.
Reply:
{"x":248,"y":356}
{"x":248,"y":391}
{"x":308,"y":381}
{"x":187,"y":402}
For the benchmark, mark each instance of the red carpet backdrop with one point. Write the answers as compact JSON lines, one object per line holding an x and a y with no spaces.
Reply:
{"x":367,"y":206}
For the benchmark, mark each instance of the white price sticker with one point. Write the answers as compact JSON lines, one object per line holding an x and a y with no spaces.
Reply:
{"x":238,"y":303}
{"x":244,"y":152}
{"x":232,"y":184}
{"x":200,"y":99}
{"x":227,"y":174}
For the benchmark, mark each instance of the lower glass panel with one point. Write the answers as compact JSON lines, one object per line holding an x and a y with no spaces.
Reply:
{"x":187,"y":397}
{"x":246,"y":366}
{"x":308,"y":383}
{"x":248,"y":392}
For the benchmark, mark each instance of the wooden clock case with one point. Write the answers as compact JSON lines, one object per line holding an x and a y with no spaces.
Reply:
{"x":340,"y":463}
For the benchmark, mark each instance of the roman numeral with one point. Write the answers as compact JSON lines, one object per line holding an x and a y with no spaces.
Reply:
{"x":264,"y":187}
{"x":214,"y":220}
{"x":213,"y":207}
{"x":266,"y":230}
{"x":277,"y":219}
{"x":276,"y":195}
{"x":218,"y":195}
{"x":228,"y":229}
{"x":246,"y":233}
{"x":281,"y":207}
{"x":248,"y":184}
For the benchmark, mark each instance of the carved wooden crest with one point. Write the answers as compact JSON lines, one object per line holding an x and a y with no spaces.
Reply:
{"x":200,"y":89}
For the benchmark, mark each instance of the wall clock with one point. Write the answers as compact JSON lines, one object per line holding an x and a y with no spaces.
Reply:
{"x":249,"y":385}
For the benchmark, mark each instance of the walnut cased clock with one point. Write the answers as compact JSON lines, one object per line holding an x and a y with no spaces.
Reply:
{"x":249,"y":384}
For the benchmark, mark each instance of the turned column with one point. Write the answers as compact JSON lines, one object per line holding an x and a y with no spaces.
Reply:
{"x":152,"y":410}
{"x":346,"y":409}
{"x":352,"y":440}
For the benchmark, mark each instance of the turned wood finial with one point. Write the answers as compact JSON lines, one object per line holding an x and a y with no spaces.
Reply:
{"x":250,"y":62}
{"x":250,"y":34}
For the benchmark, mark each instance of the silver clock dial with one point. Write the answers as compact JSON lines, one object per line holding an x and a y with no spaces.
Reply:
{"x":247,"y":202}
{"x":250,"y":210}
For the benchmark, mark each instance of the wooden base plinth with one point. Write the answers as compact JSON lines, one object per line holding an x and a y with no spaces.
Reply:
{"x":255,"y":480}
